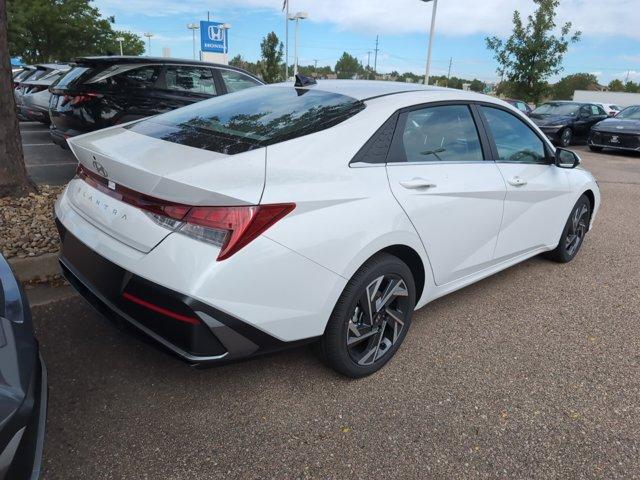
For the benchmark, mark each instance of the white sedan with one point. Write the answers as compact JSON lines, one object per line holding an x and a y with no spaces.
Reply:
{"x":323,"y":213}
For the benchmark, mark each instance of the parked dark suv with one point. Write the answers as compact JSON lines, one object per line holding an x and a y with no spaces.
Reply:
{"x":562,"y":122}
{"x":99,"y":92}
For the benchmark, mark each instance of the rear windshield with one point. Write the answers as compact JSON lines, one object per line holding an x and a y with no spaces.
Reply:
{"x":251,"y":118}
{"x":71,"y":76}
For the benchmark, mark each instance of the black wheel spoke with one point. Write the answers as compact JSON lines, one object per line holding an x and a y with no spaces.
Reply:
{"x":378,"y":319}
{"x":578,"y":227}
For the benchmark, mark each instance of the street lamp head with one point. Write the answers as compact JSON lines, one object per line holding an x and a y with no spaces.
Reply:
{"x":120,"y":39}
{"x":225,"y":26}
{"x":299,"y":16}
{"x":148,"y":34}
{"x":193,"y":26}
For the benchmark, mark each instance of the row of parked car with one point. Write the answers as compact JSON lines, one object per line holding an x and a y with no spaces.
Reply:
{"x":99,"y":92}
{"x":602,"y":125}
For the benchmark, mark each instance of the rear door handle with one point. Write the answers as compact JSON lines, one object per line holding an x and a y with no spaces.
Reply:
{"x":416,"y":183}
{"x":517,"y":181}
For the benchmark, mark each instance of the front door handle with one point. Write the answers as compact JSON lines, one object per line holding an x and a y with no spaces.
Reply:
{"x":416,"y":183}
{"x":517,"y":181}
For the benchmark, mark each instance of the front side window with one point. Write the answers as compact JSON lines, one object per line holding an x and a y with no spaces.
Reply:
{"x":251,"y":118}
{"x":441,"y":134}
{"x":190,"y":79}
{"x":515,"y":141}
{"x":236,"y":81}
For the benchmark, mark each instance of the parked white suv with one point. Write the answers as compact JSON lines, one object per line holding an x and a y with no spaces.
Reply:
{"x":325,"y":212}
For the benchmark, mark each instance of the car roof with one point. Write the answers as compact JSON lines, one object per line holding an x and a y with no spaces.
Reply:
{"x":53,"y":66}
{"x":363,"y":89}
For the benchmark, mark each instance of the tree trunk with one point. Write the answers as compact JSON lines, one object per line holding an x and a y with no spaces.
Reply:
{"x":13,"y":174}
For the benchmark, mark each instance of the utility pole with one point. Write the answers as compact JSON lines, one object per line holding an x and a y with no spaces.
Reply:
{"x":286,"y":40}
{"x":315,"y":66}
{"x":626,"y":80}
{"x":368,"y":59}
{"x":449,"y":72}
{"x":375,"y":61}
{"x":148,"y":35}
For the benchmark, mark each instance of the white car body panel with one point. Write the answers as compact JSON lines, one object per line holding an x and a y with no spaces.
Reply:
{"x":288,"y":280}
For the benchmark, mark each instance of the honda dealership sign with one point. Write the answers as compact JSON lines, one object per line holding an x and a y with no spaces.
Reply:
{"x":213,"y":37}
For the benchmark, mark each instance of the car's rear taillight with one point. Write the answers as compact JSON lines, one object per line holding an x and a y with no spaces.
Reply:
{"x":230,"y":228}
{"x":77,"y":99}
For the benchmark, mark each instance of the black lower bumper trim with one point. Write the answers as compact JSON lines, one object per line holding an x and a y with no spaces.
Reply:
{"x":219,"y":337}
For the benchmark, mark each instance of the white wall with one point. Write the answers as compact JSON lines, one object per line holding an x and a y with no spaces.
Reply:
{"x":622,"y":99}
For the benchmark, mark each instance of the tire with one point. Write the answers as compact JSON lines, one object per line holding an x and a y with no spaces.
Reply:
{"x":595,"y":149}
{"x":566,"y":137}
{"x":383,"y":276}
{"x":573,"y":233}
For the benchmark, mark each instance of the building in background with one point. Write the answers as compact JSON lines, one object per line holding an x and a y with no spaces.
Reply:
{"x":623,"y":99}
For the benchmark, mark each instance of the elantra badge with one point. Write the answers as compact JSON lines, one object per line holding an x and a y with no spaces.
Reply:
{"x":615,"y":139}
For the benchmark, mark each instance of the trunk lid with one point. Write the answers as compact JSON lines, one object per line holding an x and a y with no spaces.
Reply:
{"x":163,"y":170}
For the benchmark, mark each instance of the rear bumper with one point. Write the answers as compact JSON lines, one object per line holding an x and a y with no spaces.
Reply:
{"x":213,"y":337}
{"x":35,"y":113}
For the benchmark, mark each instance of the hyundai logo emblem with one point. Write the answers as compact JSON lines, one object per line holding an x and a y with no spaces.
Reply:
{"x":100,"y":169}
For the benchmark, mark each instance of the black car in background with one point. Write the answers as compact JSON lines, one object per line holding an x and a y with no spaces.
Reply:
{"x":520,"y":105}
{"x":620,"y":133}
{"x":563,"y":121}
{"x":100,"y":92}
{"x":23,"y":384}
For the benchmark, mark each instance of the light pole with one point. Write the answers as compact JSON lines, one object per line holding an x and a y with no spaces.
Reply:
{"x":120,"y":40}
{"x":225,"y":27}
{"x":431,"y":31}
{"x":193,"y":27}
{"x":297,"y":17}
{"x":148,"y":35}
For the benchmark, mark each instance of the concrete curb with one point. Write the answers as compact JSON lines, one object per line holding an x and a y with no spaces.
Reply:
{"x":35,"y":268}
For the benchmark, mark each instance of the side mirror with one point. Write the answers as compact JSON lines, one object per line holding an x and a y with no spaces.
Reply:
{"x":566,"y":158}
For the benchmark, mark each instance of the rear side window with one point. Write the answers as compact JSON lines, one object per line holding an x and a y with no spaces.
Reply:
{"x":441,"y":134}
{"x":251,"y":118}
{"x":515,"y":141}
{"x":71,"y":76}
{"x":236,"y":81}
{"x":190,"y":79}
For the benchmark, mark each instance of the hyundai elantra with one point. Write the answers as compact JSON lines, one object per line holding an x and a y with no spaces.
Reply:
{"x":312,"y":212}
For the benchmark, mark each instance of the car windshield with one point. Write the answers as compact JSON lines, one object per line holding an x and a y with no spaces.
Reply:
{"x":557,"y":109}
{"x":630,"y":113}
{"x":251,"y":118}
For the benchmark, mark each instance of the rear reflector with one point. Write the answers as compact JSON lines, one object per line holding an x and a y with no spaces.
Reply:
{"x":163,"y":311}
{"x":230,"y":228}
{"x":77,"y":99}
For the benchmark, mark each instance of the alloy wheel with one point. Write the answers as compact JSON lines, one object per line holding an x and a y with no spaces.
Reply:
{"x":378,"y":319}
{"x":566,"y":137}
{"x":577,"y":229}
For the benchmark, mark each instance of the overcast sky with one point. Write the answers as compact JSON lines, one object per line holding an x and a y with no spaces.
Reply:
{"x":610,"y":47}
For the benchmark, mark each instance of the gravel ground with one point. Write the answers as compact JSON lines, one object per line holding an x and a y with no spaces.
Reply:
{"x":532,"y":373}
{"x":27,"y":223}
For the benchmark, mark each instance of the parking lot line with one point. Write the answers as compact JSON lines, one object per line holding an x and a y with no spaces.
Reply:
{"x":36,"y":144}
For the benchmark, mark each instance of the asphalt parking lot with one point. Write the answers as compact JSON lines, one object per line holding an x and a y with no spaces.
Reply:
{"x":532,"y":373}
{"x":46,"y":162}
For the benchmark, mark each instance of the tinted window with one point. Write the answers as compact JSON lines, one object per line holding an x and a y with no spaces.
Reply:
{"x":236,"y":81}
{"x":144,"y":77}
{"x":596,"y":110}
{"x":522,"y":107}
{"x":557,"y":109}
{"x":251,"y":118}
{"x":190,"y":79}
{"x":71,"y":76}
{"x":441,"y":134}
{"x":515,"y":141}
{"x":630,"y":113}
{"x":38,"y":74}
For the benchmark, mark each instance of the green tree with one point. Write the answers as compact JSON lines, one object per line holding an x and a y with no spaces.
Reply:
{"x":477,"y":85}
{"x":631,"y":87}
{"x":616,"y":85}
{"x":13,"y":174}
{"x":240,"y":62}
{"x":55,"y":30}
{"x":348,"y":66}
{"x":271,"y":49}
{"x":563,"y":90}
{"x":533,"y":53}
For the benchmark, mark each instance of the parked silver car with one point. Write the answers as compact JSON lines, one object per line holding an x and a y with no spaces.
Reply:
{"x":32,"y":92}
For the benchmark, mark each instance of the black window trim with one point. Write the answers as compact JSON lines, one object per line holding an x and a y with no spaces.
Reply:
{"x":549,"y":153}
